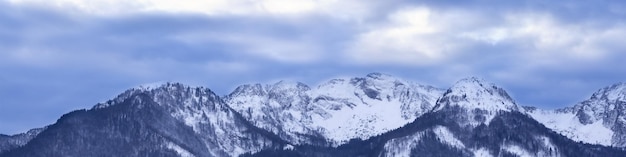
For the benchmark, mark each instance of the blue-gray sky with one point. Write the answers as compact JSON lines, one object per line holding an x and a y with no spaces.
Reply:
{"x":60,"y":55}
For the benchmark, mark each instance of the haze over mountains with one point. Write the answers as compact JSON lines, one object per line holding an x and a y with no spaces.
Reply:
{"x":373,"y":115}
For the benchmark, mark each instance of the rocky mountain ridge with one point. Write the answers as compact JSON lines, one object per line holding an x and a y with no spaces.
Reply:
{"x":170,"y":120}
{"x":393,"y":116}
{"x":335,"y":111}
{"x":601,"y":119}
{"x":472,"y":118}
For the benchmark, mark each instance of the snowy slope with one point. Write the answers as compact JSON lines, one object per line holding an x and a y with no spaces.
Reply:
{"x":568,"y":124}
{"x":599,"y":120}
{"x":335,"y":111}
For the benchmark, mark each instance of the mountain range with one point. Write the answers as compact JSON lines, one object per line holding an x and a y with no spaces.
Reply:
{"x":373,"y":115}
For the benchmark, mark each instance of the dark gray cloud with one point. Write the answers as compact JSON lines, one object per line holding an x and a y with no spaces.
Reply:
{"x":547,"y":54}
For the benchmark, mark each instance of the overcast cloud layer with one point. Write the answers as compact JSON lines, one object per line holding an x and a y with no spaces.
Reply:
{"x":60,"y":55}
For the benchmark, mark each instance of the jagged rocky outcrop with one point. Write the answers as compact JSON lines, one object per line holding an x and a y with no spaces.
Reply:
{"x":601,"y":119}
{"x":335,"y":111}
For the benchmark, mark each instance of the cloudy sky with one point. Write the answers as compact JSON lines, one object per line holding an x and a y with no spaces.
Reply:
{"x":60,"y":55}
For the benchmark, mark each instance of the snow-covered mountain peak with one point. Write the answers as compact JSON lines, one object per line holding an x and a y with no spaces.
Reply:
{"x":380,"y":76}
{"x":167,"y":95}
{"x":390,"y":116}
{"x":150,"y":86}
{"x":479,"y":98}
{"x":160,"y":86}
{"x":276,"y":88}
{"x":249,"y":89}
{"x":376,"y":86}
{"x":597,"y":120}
{"x":608,"y":104}
{"x":289,"y":86}
{"x":480,"y":94}
{"x":379,"y":80}
{"x":371,"y":80}
{"x":198,"y":108}
{"x":338,"y":110}
{"x":615,"y":92}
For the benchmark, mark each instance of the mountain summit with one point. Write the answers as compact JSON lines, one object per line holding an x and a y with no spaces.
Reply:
{"x":478,"y":99}
{"x":335,"y":111}
{"x":169,"y":120}
{"x":601,"y":119}
{"x":472,"y":118}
